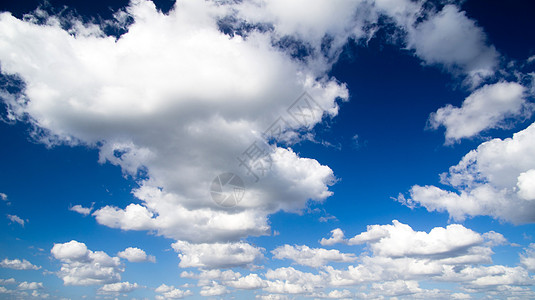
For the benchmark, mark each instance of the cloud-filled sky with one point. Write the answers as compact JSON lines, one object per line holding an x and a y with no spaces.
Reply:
{"x":367,"y":149}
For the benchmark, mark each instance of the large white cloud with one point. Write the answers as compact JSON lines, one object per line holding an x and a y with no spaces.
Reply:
{"x":81,"y":266}
{"x":485,"y":108}
{"x":176,"y":98}
{"x":492,"y":180}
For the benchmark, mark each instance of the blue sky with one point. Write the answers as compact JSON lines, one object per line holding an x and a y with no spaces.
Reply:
{"x":404,"y":166}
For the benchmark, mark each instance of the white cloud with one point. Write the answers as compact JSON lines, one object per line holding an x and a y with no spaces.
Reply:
{"x":170,"y":292}
{"x":81,"y":210}
{"x":118,"y":287}
{"x":18,"y":264}
{"x":94,"y":90}
{"x":216,"y":255}
{"x":491,"y":181}
{"x":81,"y":266}
{"x":337,"y":236}
{"x":133,"y":254}
{"x":30,"y":285}
{"x":249,"y":282}
{"x":400,"y":240}
{"x":527,"y":259}
{"x":312,"y":257}
{"x":526,"y":185}
{"x":486,"y":108}
{"x":453,"y":40}
{"x":3,"y":197}
{"x":213,"y":290}
{"x":8,"y":281}
{"x":16,"y":219}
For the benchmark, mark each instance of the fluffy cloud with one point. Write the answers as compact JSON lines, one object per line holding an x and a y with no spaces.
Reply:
{"x":81,"y":210}
{"x":135,"y":255}
{"x":118,"y":287}
{"x":485,"y":108}
{"x":81,"y":266}
{"x":3,"y":197}
{"x":18,"y":264}
{"x":216,"y":255}
{"x":453,"y":40}
{"x":170,"y":292}
{"x":312,"y":257}
{"x":400,"y":240}
{"x":95,"y":90}
{"x":30,"y":285}
{"x":16,"y":219}
{"x":337,"y":236}
{"x":492,"y":180}
{"x":527,"y":259}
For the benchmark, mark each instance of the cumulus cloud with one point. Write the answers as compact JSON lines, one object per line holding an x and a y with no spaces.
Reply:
{"x":118,"y":287}
{"x":16,"y":219}
{"x":81,"y":266}
{"x":216,"y":255}
{"x":3,"y":197}
{"x":133,"y":254}
{"x":81,"y":210}
{"x":170,"y":292}
{"x":451,"y":39}
{"x":312,"y":257}
{"x":337,"y":236}
{"x":486,"y":108}
{"x":30,"y":285}
{"x":527,"y":259}
{"x":18,"y":264}
{"x":492,"y":180}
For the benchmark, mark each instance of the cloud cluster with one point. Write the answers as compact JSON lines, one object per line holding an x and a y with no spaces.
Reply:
{"x":18,"y":264}
{"x":492,"y":180}
{"x":81,"y":266}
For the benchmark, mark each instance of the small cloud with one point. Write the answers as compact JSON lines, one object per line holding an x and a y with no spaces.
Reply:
{"x":18,"y":264}
{"x":3,"y":197}
{"x":82,"y":210}
{"x":136,"y":255}
{"x":16,"y":219}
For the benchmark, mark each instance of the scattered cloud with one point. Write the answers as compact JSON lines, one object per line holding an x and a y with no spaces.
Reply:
{"x":312,"y":257}
{"x":486,"y":108}
{"x":492,"y":180}
{"x":81,"y":266}
{"x":118,"y":287}
{"x":81,"y":210}
{"x":16,"y":219}
{"x":18,"y":264}
{"x":133,"y":254}
{"x":170,"y":292}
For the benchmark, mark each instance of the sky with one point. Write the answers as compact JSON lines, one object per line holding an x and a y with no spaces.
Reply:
{"x":320,"y":149}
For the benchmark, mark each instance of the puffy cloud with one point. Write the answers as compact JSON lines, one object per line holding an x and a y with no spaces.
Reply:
{"x":16,"y":219}
{"x":95,"y":90}
{"x":8,"y":281}
{"x":30,"y":285}
{"x":400,"y":240}
{"x":453,"y":40}
{"x":3,"y":197}
{"x":485,"y":108}
{"x":526,"y":185}
{"x":527,"y":259}
{"x":118,"y":287}
{"x":170,"y":292}
{"x":135,"y":255}
{"x":81,"y":210}
{"x":312,"y":257}
{"x":18,"y":264}
{"x":216,"y":255}
{"x":337,"y":236}
{"x":249,"y":282}
{"x":213,"y":290}
{"x":492,"y":180}
{"x":81,"y":266}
